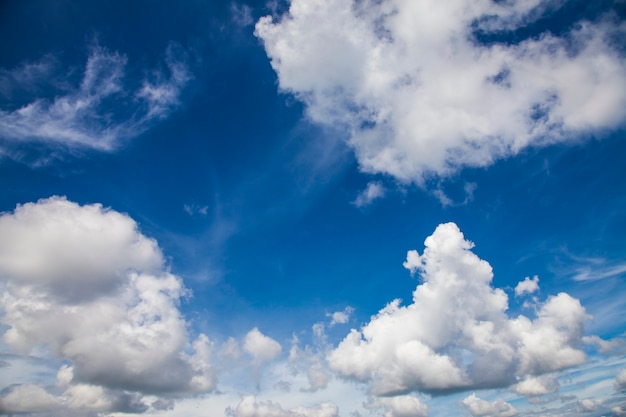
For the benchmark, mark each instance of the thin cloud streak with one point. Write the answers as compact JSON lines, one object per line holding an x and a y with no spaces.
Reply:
{"x":82,"y":117}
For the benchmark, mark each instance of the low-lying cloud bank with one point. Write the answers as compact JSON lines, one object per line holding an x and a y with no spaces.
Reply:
{"x":429,"y":87}
{"x":83,"y":285}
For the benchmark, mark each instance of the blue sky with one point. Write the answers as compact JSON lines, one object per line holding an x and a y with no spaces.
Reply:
{"x":313,"y":208}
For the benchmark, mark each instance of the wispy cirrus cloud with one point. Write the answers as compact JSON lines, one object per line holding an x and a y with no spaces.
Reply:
{"x":101,"y":111}
{"x":372,"y":192}
{"x":419,"y":93}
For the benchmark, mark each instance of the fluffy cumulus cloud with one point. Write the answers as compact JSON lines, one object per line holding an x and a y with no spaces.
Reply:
{"x":528,"y":286}
{"x":422,"y":88}
{"x":532,"y":386}
{"x":340,"y":317}
{"x":250,"y":407}
{"x":262,"y":348}
{"x":456,"y":333}
{"x":479,"y":407}
{"x":99,"y":112}
{"x":82,"y":283}
{"x":26,"y":398}
{"x":401,"y":406}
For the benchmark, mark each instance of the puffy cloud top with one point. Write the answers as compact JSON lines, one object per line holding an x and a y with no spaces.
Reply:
{"x":84,"y":283}
{"x":479,"y":407}
{"x":74,"y":253}
{"x":456,"y":333}
{"x":261,"y":347}
{"x":420,"y":94}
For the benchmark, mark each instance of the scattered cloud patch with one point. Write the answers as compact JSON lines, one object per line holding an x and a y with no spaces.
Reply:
{"x":456,"y":333}
{"x":250,"y":407}
{"x":401,"y":406}
{"x":100,"y":112}
{"x":613,"y":346}
{"x":340,"y":317}
{"x":481,"y":408}
{"x":261,"y":347}
{"x":620,"y":380}
{"x":194,"y":209}
{"x":83,"y":283}
{"x":528,"y":286}
{"x":418,"y":93}
{"x":586,"y":405}
{"x":241,"y":14}
{"x":372,"y":192}
{"x":311,"y":361}
{"x":533,"y":386}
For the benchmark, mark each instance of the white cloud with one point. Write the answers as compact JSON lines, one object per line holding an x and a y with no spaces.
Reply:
{"x":250,"y":407}
{"x":456,"y":333}
{"x":482,"y":408}
{"x":261,"y":347}
{"x":85,"y":284}
{"x":341,"y":317}
{"x":26,"y":398}
{"x":310,"y":361}
{"x":373,"y":191}
{"x":528,"y":286}
{"x":613,"y":346}
{"x":532,"y":386}
{"x":193,"y":209}
{"x":401,"y":406}
{"x":587,"y":405}
{"x":598,"y":271}
{"x":83,"y":116}
{"x":418,"y":94}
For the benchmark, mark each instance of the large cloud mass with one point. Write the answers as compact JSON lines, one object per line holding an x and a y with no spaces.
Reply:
{"x":83,"y":283}
{"x":420,"y":94}
{"x":456,"y":333}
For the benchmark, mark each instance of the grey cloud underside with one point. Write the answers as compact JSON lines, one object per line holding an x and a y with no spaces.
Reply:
{"x":418,"y":95}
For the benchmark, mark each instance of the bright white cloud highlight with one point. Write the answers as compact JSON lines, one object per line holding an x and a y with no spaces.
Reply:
{"x":85,"y":284}
{"x":341,"y":317}
{"x":262,"y":348}
{"x":481,"y":408}
{"x":528,"y":286}
{"x":456,"y":333}
{"x":419,"y":94}
{"x":250,"y":407}
{"x":532,"y":386}
{"x":103,"y":110}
